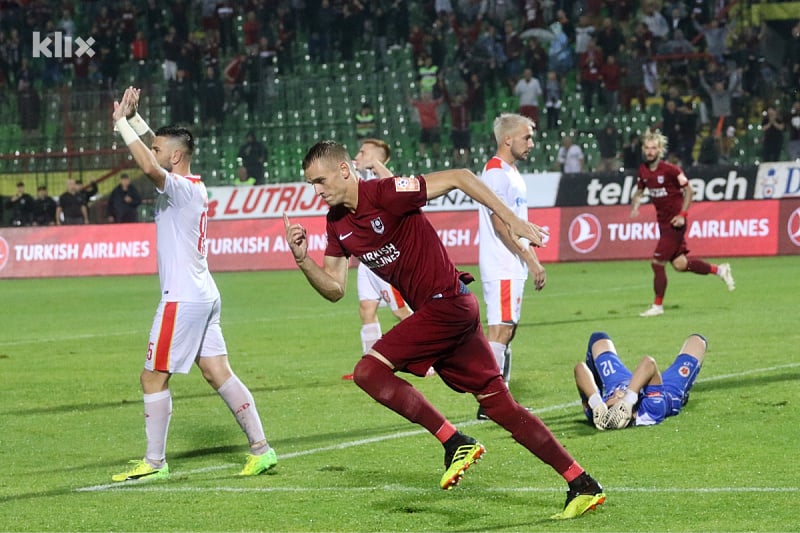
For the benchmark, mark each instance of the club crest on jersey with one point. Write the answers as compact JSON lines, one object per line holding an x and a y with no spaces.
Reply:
{"x":377,"y":225}
{"x":660,"y":180}
{"x":406,"y":184}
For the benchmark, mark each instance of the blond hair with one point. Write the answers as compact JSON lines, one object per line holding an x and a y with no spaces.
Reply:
{"x":657,"y":137}
{"x":508,"y":122}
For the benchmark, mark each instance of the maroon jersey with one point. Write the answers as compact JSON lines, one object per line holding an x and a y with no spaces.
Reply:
{"x":665,"y":187}
{"x":391,"y":236}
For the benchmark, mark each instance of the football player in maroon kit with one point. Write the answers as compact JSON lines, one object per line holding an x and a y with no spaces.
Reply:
{"x":671,"y":195}
{"x":381,"y":223}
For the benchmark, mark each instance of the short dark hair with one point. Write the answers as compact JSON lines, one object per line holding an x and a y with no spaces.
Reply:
{"x":20,"y":184}
{"x":41,"y":188}
{"x":180,"y":133}
{"x":325,"y":150}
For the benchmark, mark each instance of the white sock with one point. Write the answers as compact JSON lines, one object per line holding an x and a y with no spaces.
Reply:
{"x":595,"y":400}
{"x":499,"y":354}
{"x":241,"y":403}
{"x":157,"y":414}
{"x":370,"y":333}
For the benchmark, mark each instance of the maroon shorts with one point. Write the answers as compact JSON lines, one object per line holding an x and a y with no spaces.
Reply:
{"x":445,"y":334}
{"x":671,"y":244}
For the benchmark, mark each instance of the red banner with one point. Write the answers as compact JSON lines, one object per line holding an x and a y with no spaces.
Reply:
{"x":737,"y":228}
{"x":716,"y":229}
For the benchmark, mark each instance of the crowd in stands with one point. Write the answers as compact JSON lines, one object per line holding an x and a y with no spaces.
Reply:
{"x":710,"y":70}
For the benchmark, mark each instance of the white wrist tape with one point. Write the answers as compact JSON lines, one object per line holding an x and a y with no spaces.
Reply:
{"x":631,"y":398}
{"x":138,"y":124}
{"x":127,"y":132}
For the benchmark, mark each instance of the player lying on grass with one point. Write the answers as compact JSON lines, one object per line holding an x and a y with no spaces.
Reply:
{"x":614,"y":398}
{"x":381,"y":223}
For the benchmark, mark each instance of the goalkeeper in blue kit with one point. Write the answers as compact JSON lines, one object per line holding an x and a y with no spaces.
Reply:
{"x":613,"y":397}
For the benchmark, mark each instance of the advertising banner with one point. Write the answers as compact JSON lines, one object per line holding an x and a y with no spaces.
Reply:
{"x":789,"y":225}
{"x":714,"y":184}
{"x":715,"y":229}
{"x":778,"y":180}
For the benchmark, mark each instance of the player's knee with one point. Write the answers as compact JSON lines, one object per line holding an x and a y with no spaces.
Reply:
{"x":680,"y":263}
{"x":367,"y":370}
{"x":597,"y":336}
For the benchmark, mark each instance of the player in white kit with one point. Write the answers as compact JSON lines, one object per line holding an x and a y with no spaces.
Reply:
{"x":186,"y":328}
{"x":503,"y":266}
{"x":373,"y":292}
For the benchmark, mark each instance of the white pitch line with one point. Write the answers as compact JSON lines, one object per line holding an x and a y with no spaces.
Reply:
{"x":402,"y":434}
{"x":132,"y":487}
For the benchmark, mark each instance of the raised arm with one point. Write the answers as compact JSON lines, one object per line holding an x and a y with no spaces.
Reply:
{"x":442,"y":182}
{"x":141,"y":153}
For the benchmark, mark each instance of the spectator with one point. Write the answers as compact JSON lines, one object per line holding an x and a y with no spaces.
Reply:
{"x":709,"y":150}
{"x":44,"y":208}
{"x":28,"y":107}
{"x":212,"y":101}
{"x":251,"y":29}
{"x":632,"y":153}
{"x":180,"y":98}
{"x":253,"y":155}
{"x":459,"y":105}
{"x":140,"y":55}
{"x":552,"y":95}
{"x":611,"y":77}
{"x":226,"y":16}
{"x":21,"y":206}
{"x":536,"y":59}
{"x":513,"y":49}
{"x":591,"y":63}
{"x":608,"y":145}
{"x":171,"y":50}
{"x":477,"y":98}
{"x":123,"y":204}
{"x":632,"y":86}
{"x":529,"y":91}
{"x":720,"y":95}
{"x":570,"y":156}
{"x":715,"y":35}
{"x":654,"y":21}
{"x":365,"y":122}
{"x":609,"y":38}
{"x":71,"y":208}
{"x":427,"y":75}
{"x":429,"y":122}
{"x":772,"y":127}
{"x":794,"y":132}
{"x":86,"y":192}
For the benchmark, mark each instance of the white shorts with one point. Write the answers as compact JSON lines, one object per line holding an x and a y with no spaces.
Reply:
{"x":503,"y":299}
{"x":371,"y":287}
{"x":182,"y":332}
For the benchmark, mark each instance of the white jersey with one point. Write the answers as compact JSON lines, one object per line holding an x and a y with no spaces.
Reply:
{"x":496,"y":261}
{"x":181,"y":218}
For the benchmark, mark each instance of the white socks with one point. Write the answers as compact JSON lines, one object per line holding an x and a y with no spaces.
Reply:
{"x":241,"y":403}
{"x":157,"y":413}
{"x":499,"y":351}
{"x":370,"y":333}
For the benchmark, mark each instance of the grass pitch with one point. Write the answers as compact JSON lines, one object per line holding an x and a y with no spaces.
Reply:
{"x":71,"y":351}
